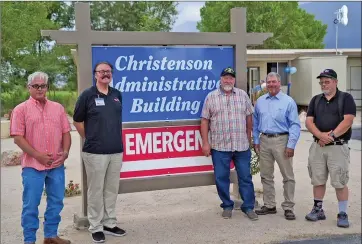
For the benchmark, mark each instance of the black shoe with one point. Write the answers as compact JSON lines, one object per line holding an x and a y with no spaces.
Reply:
{"x":264,"y":210}
{"x":98,"y":237}
{"x":289,"y":215}
{"x":115,"y":231}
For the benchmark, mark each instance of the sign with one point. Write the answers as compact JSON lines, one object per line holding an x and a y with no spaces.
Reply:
{"x":164,"y":83}
{"x":163,"y":151}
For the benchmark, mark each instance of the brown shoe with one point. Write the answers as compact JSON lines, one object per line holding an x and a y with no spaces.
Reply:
{"x":264,"y":210}
{"x":289,"y":215}
{"x":56,"y":240}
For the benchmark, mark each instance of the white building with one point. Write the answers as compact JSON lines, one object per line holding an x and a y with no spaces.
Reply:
{"x":309,"y":63}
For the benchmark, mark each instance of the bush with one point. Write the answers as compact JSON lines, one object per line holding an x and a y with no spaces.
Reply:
{"x":10,"y":100}
{"x":66,"y":98}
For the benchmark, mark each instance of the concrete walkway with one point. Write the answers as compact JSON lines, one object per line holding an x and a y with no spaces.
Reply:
{"x":190,"y":215}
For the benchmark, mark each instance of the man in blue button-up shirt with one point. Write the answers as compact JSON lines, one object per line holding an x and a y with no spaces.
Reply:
{"x":276,"y":130}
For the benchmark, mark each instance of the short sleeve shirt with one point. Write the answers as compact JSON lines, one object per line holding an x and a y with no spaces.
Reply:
{"x":102,"y":117}
{"x":326,"y":117}
{"x":227,"y":119}
{"x":42,"y":127}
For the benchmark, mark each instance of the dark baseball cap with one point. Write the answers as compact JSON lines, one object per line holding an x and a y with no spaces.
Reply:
{"x":329,"y":73}
{"x":228,"y":71}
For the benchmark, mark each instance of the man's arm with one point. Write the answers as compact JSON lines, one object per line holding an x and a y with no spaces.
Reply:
{"x":256,"y":132}
{"x":249,"y":110}
{"x":249,"y":127}
{"x":205,"y":131}
{"x":349,"y":113}
{"x":80,"y":128}
{"x":66,"y":141}
{"x":309,"y":121}
{"x":80,"y":114}
{"x":344,"y":126}
{"x":294,"y":125}
{"x":25,"y":146}
{"x":205,"y":119}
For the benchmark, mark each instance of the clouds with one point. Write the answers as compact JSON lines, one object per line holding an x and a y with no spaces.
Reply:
{"x":189,"y":13}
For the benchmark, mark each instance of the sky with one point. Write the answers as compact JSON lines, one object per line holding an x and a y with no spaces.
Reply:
{"x":189,"y":13}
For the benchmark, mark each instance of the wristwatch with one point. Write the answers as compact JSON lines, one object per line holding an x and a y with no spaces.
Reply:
{"x":333,"y":135}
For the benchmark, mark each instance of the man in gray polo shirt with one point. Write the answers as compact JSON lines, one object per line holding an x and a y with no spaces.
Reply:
{"x":98,"y":119}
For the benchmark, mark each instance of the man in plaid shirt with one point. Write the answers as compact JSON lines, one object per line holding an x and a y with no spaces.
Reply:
{"x":227,"y":114}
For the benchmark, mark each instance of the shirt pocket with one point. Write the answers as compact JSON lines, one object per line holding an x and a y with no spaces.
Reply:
{"x":279,"y":114}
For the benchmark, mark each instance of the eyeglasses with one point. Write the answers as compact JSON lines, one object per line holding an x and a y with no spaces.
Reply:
{"x":324,"y":82}
{"x":102,"y":72}
{"x":42,"y":86}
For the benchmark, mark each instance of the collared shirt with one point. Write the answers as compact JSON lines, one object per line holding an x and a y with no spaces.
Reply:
{"x":42,"y":127}
{"x":326,"y":118}
{"x":102,"y":121}
{"x":227,"y":119}
{"x":274,"y":115}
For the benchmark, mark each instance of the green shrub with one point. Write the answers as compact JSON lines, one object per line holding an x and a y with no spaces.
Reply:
{"x":9,"y":100}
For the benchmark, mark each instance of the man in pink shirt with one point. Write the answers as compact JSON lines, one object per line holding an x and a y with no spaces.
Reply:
{"x":41,"y":129}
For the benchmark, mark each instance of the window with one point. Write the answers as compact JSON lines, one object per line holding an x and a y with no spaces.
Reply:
{"x":279,"y":68}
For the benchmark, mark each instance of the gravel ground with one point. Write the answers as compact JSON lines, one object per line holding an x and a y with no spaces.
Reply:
{"x":191,"y":215}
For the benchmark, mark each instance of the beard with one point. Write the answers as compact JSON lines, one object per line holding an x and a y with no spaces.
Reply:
{"x":326,"y":92}
{"x":227,"y":88}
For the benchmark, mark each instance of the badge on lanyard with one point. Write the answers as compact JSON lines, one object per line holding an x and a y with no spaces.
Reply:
{"x":99,"y":101}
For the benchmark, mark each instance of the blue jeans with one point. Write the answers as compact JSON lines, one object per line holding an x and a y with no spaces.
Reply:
{"x":33,"y":185}
{"x":221,"y":162}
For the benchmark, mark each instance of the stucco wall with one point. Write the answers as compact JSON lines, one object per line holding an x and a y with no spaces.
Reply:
{"x":304,"y":82}
{"x":262,"y":67}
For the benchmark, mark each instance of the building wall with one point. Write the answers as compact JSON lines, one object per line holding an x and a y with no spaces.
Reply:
{"x":304,"y":82}
{"x":338,"y":63}
{"x":301,"y":90}
{"x":354,"y":79}
{"x":262,"y":67}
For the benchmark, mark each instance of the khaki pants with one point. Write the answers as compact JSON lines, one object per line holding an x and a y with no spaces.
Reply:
{"x":271,"y":150}
{"x":332,"y":159}
{"x":103,"y":172}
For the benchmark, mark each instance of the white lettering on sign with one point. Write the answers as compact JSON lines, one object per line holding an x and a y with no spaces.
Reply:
{"x":162,"y":105}
{"x":130,"y":63}
{"x":161,"y":142}
{"x":166,"y":85}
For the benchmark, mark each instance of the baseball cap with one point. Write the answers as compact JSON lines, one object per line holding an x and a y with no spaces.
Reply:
{"x":329,"y":73}
{"x":228,"y":71}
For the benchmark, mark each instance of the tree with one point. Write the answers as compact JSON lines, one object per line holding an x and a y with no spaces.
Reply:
{"x":291,"y":26}
{"x":24,"y":50}
{"x":133,"y":16}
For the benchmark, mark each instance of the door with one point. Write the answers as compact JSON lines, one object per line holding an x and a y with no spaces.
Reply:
{"x":355,"y":84}
{"x":253,"y":78}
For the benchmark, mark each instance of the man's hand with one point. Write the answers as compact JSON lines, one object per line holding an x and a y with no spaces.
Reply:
{"x":325,"y":138}
{"x":62,"y":157}
{"x":289,"y":153}
{"x":45,"y":158}
{"x":206,"y":149}
{"x":320,"y":143}
{"x":257,"y":148}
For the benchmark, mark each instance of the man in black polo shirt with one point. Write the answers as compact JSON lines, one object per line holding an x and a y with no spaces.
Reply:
{"x":98,"y":119}
{"x":330,"y":118}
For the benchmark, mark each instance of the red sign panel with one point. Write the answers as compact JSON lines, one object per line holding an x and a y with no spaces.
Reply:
{"x":163,"y":151}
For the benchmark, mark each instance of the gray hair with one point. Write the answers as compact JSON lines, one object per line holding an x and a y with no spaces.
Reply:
{"x":273,"y":74}
{"x":38,"y":74}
